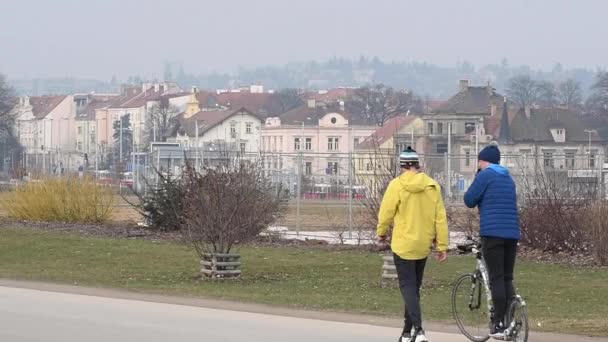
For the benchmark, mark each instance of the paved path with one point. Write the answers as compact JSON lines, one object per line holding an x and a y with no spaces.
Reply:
{"x":63,"y":313}
{"x":31,"y":315}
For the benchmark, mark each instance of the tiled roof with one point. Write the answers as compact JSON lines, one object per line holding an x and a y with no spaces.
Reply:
{"x":137,"y":100}
{"x":537,"y":127}
{"x":475,"y":100}
{"x":43,"y":105}
{"x":305,"y":112}
{"x":382,"y":134}
{"x":266,"y":104}
{"x":96,"y":102}
{"x":206,"y":121}
{"x":331,"y":95}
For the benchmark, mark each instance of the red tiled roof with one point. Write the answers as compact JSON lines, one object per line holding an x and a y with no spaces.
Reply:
{"x":97,"y":102}
{"x":382,"y":134}
{"x":492,"y":123}
{"x":137,"y":99}
{"x":43,"y":105}
{"x":331,"y":95}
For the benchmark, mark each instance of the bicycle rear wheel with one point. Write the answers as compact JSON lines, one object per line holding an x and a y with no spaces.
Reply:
{"x":470,"y":307}
{"x":517,"y":319}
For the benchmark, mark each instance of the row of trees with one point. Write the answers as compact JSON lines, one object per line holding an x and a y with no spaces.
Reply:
{"x":526,"y":92}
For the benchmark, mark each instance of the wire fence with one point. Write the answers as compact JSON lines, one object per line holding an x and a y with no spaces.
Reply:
{"x":332,"y":192}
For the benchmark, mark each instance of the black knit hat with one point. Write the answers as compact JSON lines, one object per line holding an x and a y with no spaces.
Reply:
{"x":490,"y":153}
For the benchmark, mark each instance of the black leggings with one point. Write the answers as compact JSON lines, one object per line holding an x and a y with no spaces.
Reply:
{"x":410,"y":273}
{"x":499,"y":255}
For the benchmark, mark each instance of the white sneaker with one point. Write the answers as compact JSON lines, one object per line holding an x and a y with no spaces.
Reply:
{"x":418,"y":335}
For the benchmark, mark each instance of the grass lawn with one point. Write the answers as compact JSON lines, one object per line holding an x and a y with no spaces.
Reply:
{"x":560,"y":298}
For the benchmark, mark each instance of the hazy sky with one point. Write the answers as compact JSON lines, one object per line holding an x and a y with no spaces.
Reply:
{"x":101,"y":38}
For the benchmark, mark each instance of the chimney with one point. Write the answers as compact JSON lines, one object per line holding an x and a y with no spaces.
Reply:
{"x":527,"y":111}
{"x":156,"y":87}
{"x":489,"y":89}
{"x":341,"y":105}
{"x":464,"y":85}
{"x":493,"y":109}
{"x":312,"y":103}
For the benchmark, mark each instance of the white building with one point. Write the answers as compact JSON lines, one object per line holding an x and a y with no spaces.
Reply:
{"x":238,"y":128}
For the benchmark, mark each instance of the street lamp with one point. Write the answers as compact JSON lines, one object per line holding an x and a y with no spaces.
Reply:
{"x":589,"y":132}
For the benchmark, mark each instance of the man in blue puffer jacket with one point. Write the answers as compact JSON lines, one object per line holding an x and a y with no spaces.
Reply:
{"x":493,"y":191}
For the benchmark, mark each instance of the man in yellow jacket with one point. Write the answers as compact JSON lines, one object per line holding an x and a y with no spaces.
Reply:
{"x":413,"y":204}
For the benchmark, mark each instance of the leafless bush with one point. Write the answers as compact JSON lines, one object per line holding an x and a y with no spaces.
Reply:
{"x":376,"y":180}
{"x":552,"y":209}
{"x":463,"y":220}
{"x":597,"y":224}
{"x":228,"y":205}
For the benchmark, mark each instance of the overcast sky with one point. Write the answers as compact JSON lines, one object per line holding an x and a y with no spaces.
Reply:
{"x":101,"y":38}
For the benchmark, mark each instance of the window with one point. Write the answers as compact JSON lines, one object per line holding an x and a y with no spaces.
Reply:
{"x":570,"y":155}
{"x":308,"y":168}
{"x":440,"y":128}
{"x":280,"y":162}
{"x":442,"y":148}
{"x":356,"y":142}
{"x":233,"y":128}
{"x":296,"y":144}
{"x":80,"y":146}
{"x":333,"y":144}
{"x":333,"y":120}
{"x":548,"y":160}
{"x":467,"y":158}
{"x":274,"y":143}
{"x":360,"y":166}
{"x":430,"y":128}
{"x":592,"y":159}
{"x":332,"y":168}
{"x":469,"y":127}
{"x":243,"y":147}
{"x":248,"y":128}
{"x":308,"y":144}
{"x":275,"y":162}
{"x":369,"y":166}
{"x":79,"y":130}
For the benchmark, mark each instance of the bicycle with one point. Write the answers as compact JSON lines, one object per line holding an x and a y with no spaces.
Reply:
{"x":474,"y":286}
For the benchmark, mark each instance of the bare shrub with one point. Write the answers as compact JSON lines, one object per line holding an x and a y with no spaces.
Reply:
{"x":597,"y":224}
{"x":376,"y":181}
{"x":463,"y":220}
{"x":228,"y":205}
{"x":551,"y":213}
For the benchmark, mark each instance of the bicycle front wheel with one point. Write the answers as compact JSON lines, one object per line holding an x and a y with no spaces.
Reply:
{"x":470,"y":307}
{"x":517,"y":320}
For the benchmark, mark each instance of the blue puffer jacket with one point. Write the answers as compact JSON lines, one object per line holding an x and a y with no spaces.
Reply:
{"x":494,"y":192}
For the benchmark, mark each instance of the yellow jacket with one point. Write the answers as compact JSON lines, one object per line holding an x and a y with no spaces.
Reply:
{"x":413,"y":204}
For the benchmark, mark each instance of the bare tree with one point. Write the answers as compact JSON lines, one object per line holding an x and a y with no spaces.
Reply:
{"x":597,"y":103}
{"x":379,"y":103}
{"x":290,"y":98}
{"x":9,"y":145}
{"x":546,"y":94}
{"x":523,"y":90}
{"x":160,"y":120}
{"x":7,"y":104}
{"x":570,"y":93}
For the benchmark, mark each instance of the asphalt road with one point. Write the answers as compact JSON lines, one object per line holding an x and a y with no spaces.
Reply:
{"x":32,"y":315}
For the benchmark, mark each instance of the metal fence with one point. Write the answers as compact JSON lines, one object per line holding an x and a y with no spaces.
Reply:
{"x":334,"y":193}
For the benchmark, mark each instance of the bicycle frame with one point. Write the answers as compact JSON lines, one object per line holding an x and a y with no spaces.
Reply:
{"x":485,"y":279}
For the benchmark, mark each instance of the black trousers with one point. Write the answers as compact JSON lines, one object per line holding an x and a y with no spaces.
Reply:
{"x":410,"y":273}
{"x":499,"y":255}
